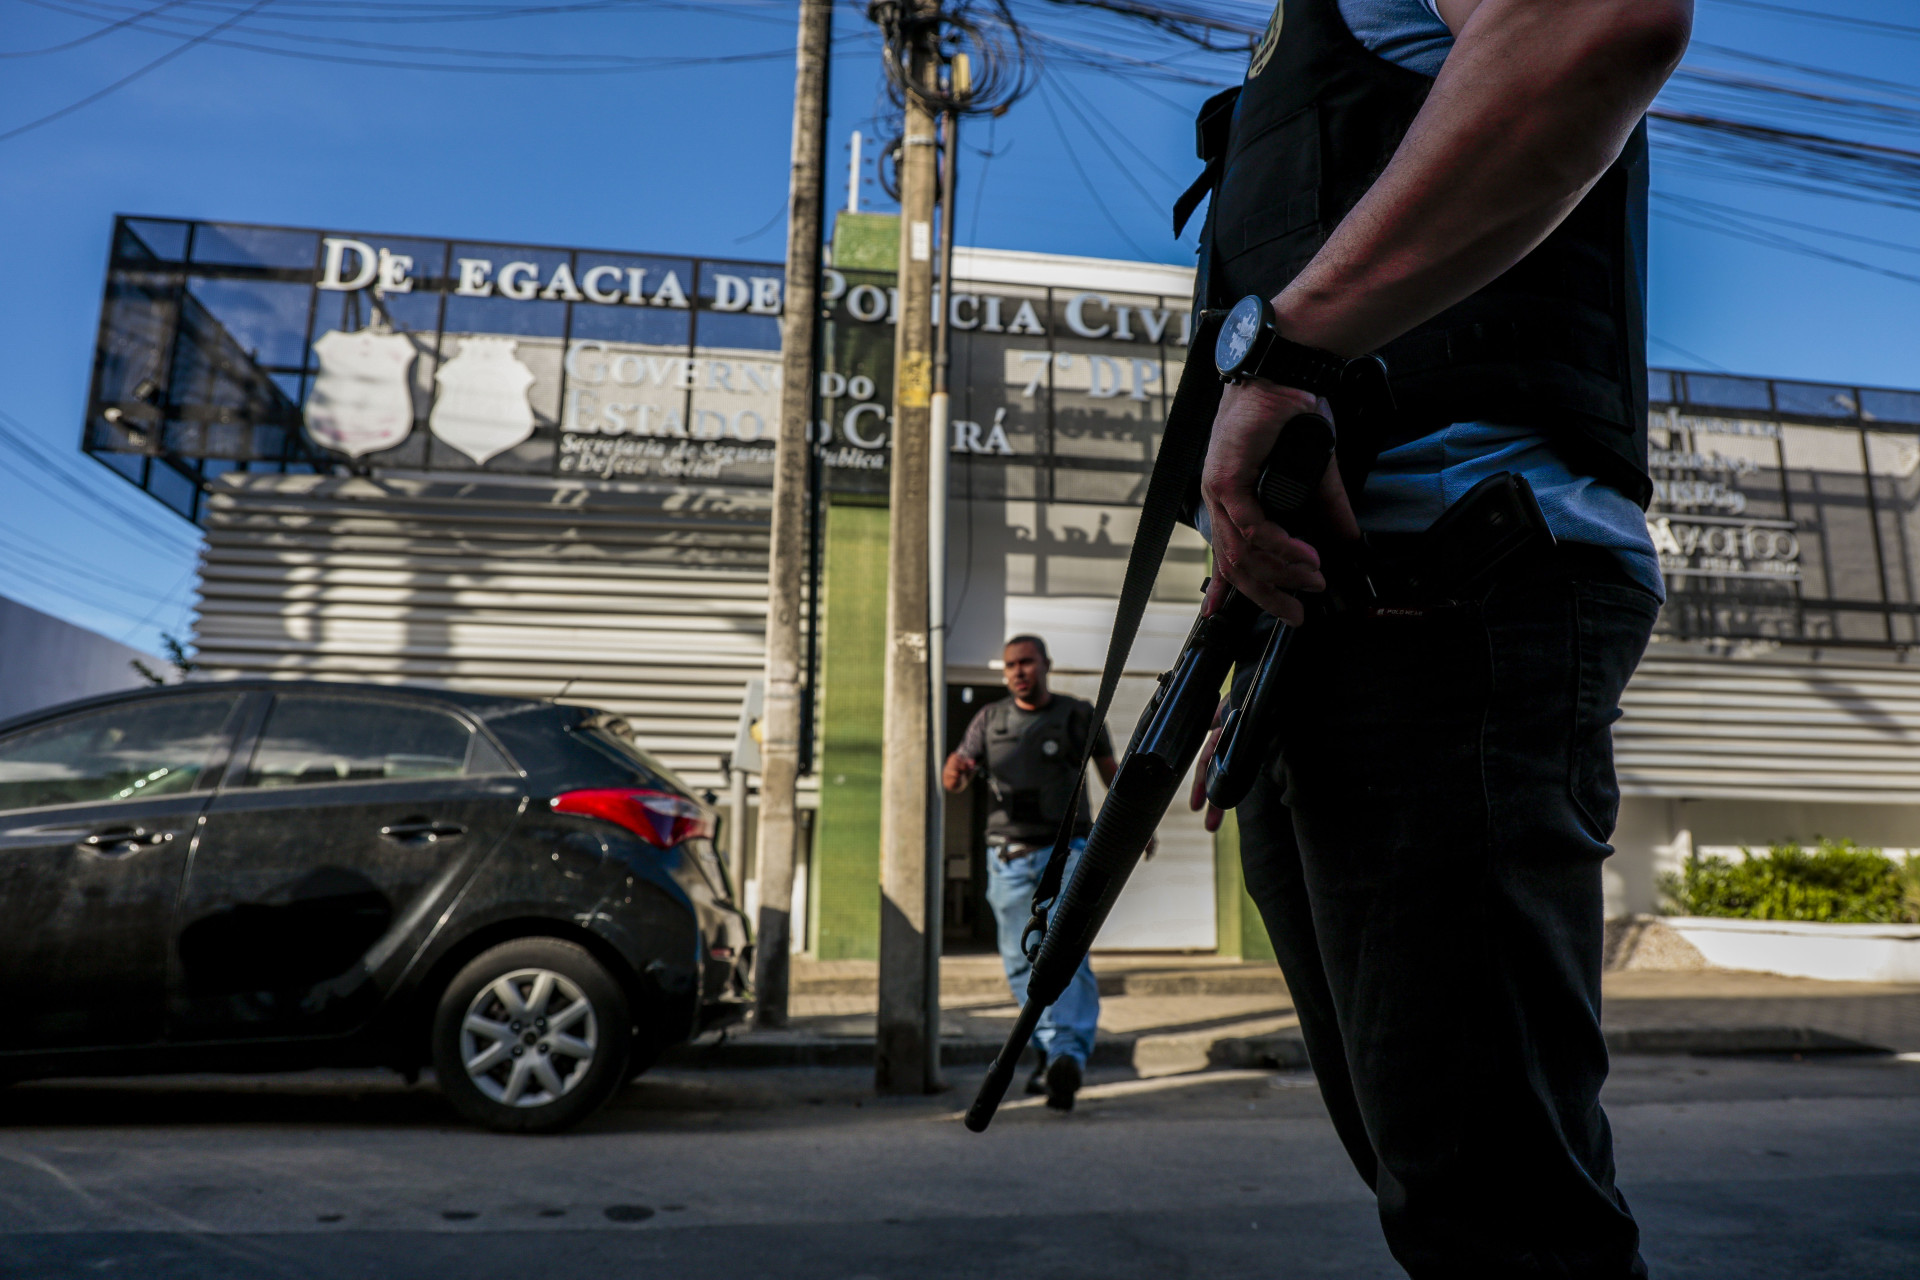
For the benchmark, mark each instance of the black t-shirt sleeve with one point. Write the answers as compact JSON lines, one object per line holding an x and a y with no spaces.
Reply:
{"x":1082,"y":717}
{"x":1102,"y":742}
{"x":973,"y":744}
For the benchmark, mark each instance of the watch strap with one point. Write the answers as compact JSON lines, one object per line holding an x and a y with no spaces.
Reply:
{"x":1294,"y":364}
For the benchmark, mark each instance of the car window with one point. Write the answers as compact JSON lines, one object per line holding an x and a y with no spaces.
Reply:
{"x":146,"y":748}
{"x":313,"y":739}
{"x":613,"y":736}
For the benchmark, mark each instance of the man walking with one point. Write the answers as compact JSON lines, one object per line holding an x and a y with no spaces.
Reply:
{"x":1460,"y":187}
{"x":1028,"y":746}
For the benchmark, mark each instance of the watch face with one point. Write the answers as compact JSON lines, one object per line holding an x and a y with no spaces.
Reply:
{"x":1237,"y":335}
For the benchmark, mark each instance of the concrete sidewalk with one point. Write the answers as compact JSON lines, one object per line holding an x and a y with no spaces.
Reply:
{"x":1164,"y":1015}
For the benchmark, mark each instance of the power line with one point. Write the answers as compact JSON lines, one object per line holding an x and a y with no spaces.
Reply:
{"x":1727,"y":210}
{"x":94,"y":35}
{"x":64,"y":562}
{"x":14,"y":433}
{"x":1773,"y":240}
{"x":542,"y":64}
{"x":1153,"y":202}
{"x":1898,"y":29}
{"x":131,"y":76}
{"x":1714,"y":365}
{"x":1046,"y":100}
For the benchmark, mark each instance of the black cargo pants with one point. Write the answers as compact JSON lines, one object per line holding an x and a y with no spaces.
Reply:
{"x":1426,"y":854}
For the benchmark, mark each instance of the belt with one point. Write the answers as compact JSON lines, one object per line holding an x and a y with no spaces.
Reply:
{"x":1007,"y":851}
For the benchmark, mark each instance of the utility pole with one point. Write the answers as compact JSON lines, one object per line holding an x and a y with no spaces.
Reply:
{"x":908,"y":1039}
{"x":939,"y":439}
{"x":787,"y":553}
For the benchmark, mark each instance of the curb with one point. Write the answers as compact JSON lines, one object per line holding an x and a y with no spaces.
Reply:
{"x":1284,"y":1051}
{"x":1255,"y":980}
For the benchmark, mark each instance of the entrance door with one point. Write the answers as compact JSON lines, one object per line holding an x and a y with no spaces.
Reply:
{"x":969,"y":925}
{"x":97,"y":816}
{"x":325,"y":862}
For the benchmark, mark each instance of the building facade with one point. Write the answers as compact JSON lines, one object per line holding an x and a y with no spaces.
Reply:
{"x":545,"y":472}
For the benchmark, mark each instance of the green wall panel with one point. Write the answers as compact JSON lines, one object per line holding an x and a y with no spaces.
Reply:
{"x":846,"y":852}
{"x":1241,"y":931}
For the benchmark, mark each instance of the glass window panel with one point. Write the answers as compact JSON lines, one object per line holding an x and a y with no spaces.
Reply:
{"x":1893,"y":460}
{"x":171,"y":487}
{"x":1073,"y":484}
{"x":255,"y":246}
{"x":496,"y":403}
{"x":1826,"y":475}
{"x":618,"y":288}
{"x":506,"y":316}
{"x":428,"y":268}
{"x":1814,"y":400}
{"x":129,"y":464}
{"x":1716,"y":466}
{"x":152,"y":237}
{"x":729,"y":320}
{"x":413,"y":312}
{"x":1109,"y":392}
{"x":139,"y":326}
{"x":515,"y":277}
{"x":1003,"y":382}
{"x":267,"y":319}
{"x":733,"y":415}
{"x":649,"y":326}
{"x":1726,"y":392}
{"x":127,"y":752}
{"x":1659,"y":386}
{"x":315,"y":739}
{"x":1890,"y":406}
{"x":989,"y":477}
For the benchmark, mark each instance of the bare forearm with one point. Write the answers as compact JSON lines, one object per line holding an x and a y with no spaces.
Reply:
{"x":1533,"y":103}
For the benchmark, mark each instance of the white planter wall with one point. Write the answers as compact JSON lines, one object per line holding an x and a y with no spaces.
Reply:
{"x":1837,"y":952}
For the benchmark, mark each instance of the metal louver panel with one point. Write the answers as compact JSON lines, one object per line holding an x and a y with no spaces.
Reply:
{"x":1714,"y":728}
{"x":652,"y":605}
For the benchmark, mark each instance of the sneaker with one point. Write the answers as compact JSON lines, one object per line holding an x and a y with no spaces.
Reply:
{"x":1063,"y":1081}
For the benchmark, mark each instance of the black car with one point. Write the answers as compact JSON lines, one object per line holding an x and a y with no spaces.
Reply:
{"x":268,"y":875}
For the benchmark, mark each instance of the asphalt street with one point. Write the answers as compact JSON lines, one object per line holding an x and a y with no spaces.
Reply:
{"x":1741,"y":1168}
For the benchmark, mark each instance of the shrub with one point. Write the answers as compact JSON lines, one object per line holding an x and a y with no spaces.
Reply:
{"x":1836,"y":881}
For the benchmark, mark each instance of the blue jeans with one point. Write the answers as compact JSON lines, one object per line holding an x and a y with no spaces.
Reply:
{"x":1066,"y":1028}
{"x":1427,"y":860}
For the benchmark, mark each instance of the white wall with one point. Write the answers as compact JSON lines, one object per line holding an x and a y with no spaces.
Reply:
{"x":1055,"y":569}
{"x":45,"y":661}
{"x":1655,"y":835}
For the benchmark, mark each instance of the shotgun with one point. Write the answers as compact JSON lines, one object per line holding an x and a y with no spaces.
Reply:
{"x":1165,"y":742}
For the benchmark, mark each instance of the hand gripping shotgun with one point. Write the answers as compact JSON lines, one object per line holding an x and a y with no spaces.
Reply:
{"x":1168,"y":737}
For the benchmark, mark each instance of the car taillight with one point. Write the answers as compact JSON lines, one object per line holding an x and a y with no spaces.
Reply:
{"x":661,"y":819}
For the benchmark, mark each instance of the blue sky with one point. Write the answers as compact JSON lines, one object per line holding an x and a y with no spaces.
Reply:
{"x":692,"y":159}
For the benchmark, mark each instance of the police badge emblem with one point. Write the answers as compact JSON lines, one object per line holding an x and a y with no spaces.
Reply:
{"x":361,"y":402}
{"x":1269,"y":41}
{"x":482,"y":408}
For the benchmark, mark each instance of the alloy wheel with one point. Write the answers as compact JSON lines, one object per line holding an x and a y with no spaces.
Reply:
{"x":528,"y":1037}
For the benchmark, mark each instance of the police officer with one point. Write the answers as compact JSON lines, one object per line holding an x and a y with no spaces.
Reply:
{"x":1028,"y":746}
{"x":1460,"y":187}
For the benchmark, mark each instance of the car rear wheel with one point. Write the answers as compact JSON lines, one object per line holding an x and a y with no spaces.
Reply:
{"x":531,"y":1037}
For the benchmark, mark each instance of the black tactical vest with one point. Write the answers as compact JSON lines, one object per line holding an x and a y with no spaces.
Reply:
{"x":1031,"y":768}
{"x":1558,"y":343}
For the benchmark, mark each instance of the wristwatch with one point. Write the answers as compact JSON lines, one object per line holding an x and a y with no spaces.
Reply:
{"x":1250,"y":346}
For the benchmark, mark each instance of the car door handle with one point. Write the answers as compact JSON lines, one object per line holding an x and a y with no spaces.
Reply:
{"x":422,"y":831}
{"x":118,"y":842}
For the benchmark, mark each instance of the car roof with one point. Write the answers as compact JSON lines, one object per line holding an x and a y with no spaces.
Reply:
{"x":481,"y":705}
